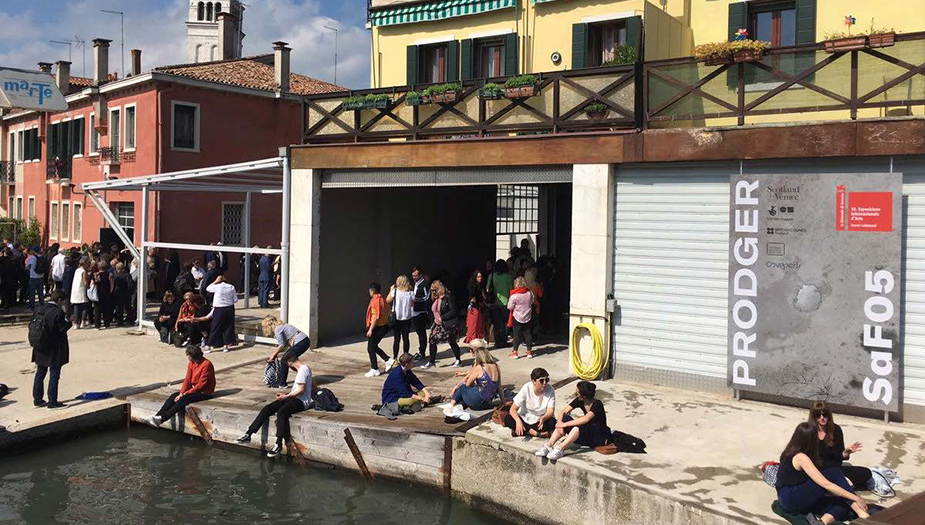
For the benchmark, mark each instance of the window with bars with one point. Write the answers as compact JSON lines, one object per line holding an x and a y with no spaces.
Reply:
{"x":517,"y":209}
{"x":75,"y":235}
{"x":233,"y":223}
{"x":65,"y":220}
{"x":53,"y":229}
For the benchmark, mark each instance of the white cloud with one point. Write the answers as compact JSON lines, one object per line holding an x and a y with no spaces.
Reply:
{"x":157,"y":28}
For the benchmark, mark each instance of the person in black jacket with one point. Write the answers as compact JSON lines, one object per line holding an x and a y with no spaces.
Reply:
{"x":52,"y":354}
{"x":122,"y":286}
{"x":446,"y":327}
{"x":832,"y":449}
{"x":184,"y":282}
{"x":172,"y":269}
{"x":212,"y":273}
{"x":420,"y":309}
{"x":167,"y":317}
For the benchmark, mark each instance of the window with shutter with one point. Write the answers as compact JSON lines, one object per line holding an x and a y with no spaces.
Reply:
{"x":579,"y":45}
{"x":466,"y":60}
{"x":412,"y":65}
{"x":452,"y":61}
{"x":490,"y":58}
{"x":510,"y":54}
{"x":433,"y":63}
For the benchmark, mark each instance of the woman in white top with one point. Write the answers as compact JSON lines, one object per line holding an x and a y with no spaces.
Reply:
{"x":534,"y":410}
{"x":79,"y":295}
{"x":401,"y":299}
{"x":221,"y":333}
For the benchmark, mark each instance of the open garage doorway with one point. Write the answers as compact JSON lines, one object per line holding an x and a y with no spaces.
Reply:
{"x":377,"y":233}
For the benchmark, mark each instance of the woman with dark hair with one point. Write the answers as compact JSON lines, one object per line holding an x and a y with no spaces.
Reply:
{"x":477,"y":312}
{"x":533,"y":409}
{"x":446,"y":328}
{"x":102,"y":280}
{"x":589,"y":430}
{"x":803,"y":489}
{"x":198,"y":385}
{"x":832,"y":450}
{"x":499,"y":288}
{"x":167,"y":317}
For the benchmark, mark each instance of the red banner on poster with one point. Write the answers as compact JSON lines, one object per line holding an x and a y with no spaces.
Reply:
{"x":870,"y":211}
{"x":840,"y":208}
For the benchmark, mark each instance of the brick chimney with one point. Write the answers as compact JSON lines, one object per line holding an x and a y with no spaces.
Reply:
{"x":45,"y":67}
{"x":281,"y":64}
{"x":226,"y":29}
{"x":100,"y":60}
{"x":63,"y":76}
{"x":136,"y":62}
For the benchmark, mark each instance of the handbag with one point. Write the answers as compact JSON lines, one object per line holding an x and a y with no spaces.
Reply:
{"x":497,"y":415}
{"x":392,"y":311}
{"x":92,"y":292}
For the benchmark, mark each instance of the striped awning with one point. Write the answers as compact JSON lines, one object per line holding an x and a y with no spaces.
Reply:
{"x":542,"y":1}
{"x":438,"y":10}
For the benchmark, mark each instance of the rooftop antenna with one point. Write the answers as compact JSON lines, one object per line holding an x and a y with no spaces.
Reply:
{"x":81,"y":44}
{"x":66,"y":43}
{"x":122,"y":34}
{"x":335,"y":50}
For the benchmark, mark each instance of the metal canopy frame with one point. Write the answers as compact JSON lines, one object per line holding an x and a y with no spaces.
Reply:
{"x":267,"y":176}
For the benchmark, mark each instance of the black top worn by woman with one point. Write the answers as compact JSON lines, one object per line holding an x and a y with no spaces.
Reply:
{"x":832,"y":455}
{"x":171,"y":310}
{"x":787,"y":475}
{"x":597,"y":408}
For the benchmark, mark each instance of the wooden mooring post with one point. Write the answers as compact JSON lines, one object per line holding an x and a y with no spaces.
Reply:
{"x":193,"y":416}
{"x":352,"y":445}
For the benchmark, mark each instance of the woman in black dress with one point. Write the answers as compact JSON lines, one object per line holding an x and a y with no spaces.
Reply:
{"x":589,"y":430}
{"x":832,"y":450}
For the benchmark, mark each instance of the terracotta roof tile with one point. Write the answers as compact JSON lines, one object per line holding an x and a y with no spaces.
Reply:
{"x":251,"y":72}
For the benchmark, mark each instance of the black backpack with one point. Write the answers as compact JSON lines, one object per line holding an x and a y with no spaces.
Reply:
{"x":627,"y":443}
{"x":184,"y":283}
{"x":41,"y":265}
{"x":4,"y":390}
{"x":326,"y":401}
{"x":38,"y":328}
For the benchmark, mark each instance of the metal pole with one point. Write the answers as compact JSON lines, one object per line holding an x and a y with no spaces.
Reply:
{"x":284,"y":245}
{"x":247,"y":256}
{"x":68,"y":47}
{"x":142,"y":262}
{"x":121,"y":32}
{"x":335,"y":50}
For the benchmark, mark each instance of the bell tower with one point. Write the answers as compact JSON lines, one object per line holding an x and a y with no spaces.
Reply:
{"x":202,"y":30}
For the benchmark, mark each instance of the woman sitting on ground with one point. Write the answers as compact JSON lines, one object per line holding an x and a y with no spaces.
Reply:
{"x":533,"y":412}
{"x":167,"y":317}
{"x":589,"y":430}
{"x":803,"y":489}
{"x":832,"y":450}
{"x":480,"y":385}
{"x":198,"y":385}
{"x":288,"y":338}
{"x":189,"y":330}
{"x":446,"y":328}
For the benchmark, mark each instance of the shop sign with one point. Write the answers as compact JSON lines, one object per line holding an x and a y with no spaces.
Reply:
{"x":22,"y":89}
{"x":814,"y":287}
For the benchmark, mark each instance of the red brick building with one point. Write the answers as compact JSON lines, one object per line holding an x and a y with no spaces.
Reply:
{"x":167,"y":119}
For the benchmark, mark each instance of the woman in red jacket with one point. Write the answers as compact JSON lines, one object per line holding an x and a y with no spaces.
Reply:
{"x":198,"y":385}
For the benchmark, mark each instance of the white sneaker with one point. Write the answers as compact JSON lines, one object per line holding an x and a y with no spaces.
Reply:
{"x":428,"y":365}
{"x":457,"y":364}
{"x":225,"y":349}
{"x":389,"y":364}
{"x":156,"y":420}
{"x":543,"y":451}
{"x":555,"y":453}
{"x":372,"y":373}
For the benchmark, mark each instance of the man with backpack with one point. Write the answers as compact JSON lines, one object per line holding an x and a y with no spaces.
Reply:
{"x":37,"y":266}
{"x":50,"y":351}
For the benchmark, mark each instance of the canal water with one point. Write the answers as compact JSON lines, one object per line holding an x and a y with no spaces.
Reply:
{"x":151,"y":477}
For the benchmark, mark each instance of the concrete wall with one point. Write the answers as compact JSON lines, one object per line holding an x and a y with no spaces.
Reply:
{"x":376,"y":234}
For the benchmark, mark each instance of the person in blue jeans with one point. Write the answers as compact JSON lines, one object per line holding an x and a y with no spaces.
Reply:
{"x":802,"y":488}
{"x":265,"y":274}
{"x":36,"y":284}
{"x":480,"y":385}
{"x":288,"y":338}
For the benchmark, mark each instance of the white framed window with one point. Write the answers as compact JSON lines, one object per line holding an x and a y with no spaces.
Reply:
{"x":184,"y":126}
{"x":31,"y":208}
{"x":233,"y":223}
{"x":115,"y":128}
{"x":128,"y":132}
{"x":94,"y":139}
{"x":65,"y":220}
{"x":125,"y":214}
{"x":19,"y":208}
{"x":20,"y":152}
{"x":76,"y":137}
{"x":77,"y":222}
{"x":53,"y":220}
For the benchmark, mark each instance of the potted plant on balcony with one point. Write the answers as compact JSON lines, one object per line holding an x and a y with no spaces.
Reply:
{"x":359,"y":102}
{"x":741,"y":49}
{"x":491,"y":91}
{"x":354,"y":103}
{"x":880,"y":37}
{"x":621,"y":55}
{"x":443,"y":93}
{"x":520,"y":86}
{"x":845,"y":41}
{"x":596,"y":111}
{"x":415,"y":98}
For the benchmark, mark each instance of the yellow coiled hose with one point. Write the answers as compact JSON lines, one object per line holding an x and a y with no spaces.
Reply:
{"x":599,"y":358}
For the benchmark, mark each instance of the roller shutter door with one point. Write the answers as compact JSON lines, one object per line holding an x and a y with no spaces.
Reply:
{"x":914,"y":305}
{"x":671,"y":242}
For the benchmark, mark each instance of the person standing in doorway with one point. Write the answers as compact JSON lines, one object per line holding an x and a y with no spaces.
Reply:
{"x":447,"y":326}
{"x":401,"y":301}
{"x":36,"y":266}
{"x":377,"y":325}
{"x":499,"y":287}
{"x":265,"y":274}
{"x":50,"y":351}
{"x":420,"y":309}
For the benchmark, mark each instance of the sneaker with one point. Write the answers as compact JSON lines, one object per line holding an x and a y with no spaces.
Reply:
{"x":513,"y":355}
{"x":277,"y":450}
{"x":372,"y":373}
{"x":246,"y":438}
{"x":543,"y":451}
{"x":55,"y":404}
{"x":529,"y":354}
{"x":156,"y":420}
{"x":39,"y":403}
{"x":418,"y":357}
{"x":206,"y":351}
{"x":225,"y":349}
{"x":389,"y":364}
{"x":555,"y":453}
{"x":428,"y":365}
{"x":457,"y":364}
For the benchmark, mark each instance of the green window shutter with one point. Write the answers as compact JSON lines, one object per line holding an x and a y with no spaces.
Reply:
{"x":738,"y":18}
{"x":510,"y":54}
{"x":63,"y":137}
{"x":634,"y":34}
{"x":452,"y":61}
{"x":579,"y":45}
{"x":412,"y":71}
{"x":466,"y":61}
{"x":806,"y":21}
{"x":79,"y":131}
{"x":51,"y":139}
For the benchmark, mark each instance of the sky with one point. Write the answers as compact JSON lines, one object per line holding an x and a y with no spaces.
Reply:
{"x":157,"y":28}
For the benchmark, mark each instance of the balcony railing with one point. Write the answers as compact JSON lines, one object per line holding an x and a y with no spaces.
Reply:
{"x":58,"y":168}
{"x":868,"y":82}
{"x":559,"y":105}
{"x":110,"y":155}
{"x":7,"y":172}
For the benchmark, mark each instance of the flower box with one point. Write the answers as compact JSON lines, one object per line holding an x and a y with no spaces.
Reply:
{"x":881,"y":39}
{"x":747,"y":55}
{"x":596,"y":115}
{"x":520,"y":92}
{"x":492,"y":95}
{"x":377,"y":104}
{"x":447,"y":97}
{"x":841,"y":45}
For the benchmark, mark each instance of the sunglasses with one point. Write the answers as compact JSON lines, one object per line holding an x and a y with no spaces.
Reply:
{"x":819,"y":413}
{"x":543,"y":380}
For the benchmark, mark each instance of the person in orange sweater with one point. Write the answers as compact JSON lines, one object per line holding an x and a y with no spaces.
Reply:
{"x":198,"y":385}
